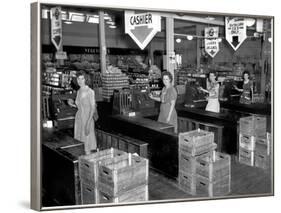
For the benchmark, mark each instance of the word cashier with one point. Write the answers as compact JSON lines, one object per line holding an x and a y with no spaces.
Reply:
{"x":141,"y":19}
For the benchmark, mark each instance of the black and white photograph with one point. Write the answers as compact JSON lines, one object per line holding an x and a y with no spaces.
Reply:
{"x":135,"y":105}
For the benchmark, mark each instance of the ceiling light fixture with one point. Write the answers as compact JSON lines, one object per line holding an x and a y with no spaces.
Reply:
{"x":250,"y":22}
{"x":68,"y":22}
{"x":189,"y":37}
{"x":112,"y":26}
{"x":178,"y":40}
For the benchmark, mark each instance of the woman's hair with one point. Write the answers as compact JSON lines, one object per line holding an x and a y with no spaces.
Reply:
{"x":167,"y":74}
{"x":246,"y":72}
{"x":215,"y":74}
{"x":86,"y":76}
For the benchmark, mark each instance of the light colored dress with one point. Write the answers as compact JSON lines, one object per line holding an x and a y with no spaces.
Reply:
{"x":213,"y":99}
{"x":168,"y":95}
{"x":85,"y":100}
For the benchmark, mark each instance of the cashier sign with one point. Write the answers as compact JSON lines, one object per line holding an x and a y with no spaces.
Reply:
{"x":142,"y":27}
{"x":56,"y":27}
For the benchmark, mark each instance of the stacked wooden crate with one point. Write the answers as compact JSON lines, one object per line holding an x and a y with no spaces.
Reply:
{"x":192,"y":145}
{"x":213,"y":175}
{"x":88,"y":173}
{"x":254,"y":144}
{"x":123,"y":179}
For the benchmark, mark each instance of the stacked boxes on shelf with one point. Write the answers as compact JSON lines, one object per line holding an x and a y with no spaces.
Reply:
{"x":202,"y":171}
{"x":254,"y":142}
{"x":88,"y":172}
{"x":112,"y":81}
{"x":192,"y":145}
{"x":123,"y":179}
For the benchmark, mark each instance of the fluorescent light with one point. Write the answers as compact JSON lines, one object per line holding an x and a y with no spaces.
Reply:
{"x":92,"y":19}
{"x":250,"y":22}
{"x":110,"y":22}
{"x":210,"y":18}
{"x":79,"y":17}
{"x":112,"y":26}
{"x":189,"y":37}
{"x":178,"y":40}
{"x":67,"y":22}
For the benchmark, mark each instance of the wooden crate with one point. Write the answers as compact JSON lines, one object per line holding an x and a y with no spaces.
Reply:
{"x":122,"y":173}
{"x":262,"y":160}
{"x":246,"y":157}
{"x":187,"y":163}
{"x":214,"y":167}
{"x":253,"y":125}
{"x":89,"y":194}
{"x":187,"y":182}
{"x":195,"y":142}
{"x":205,"y":187}
{"x":88,"y":165}
{"x":137,"y":194}
{"x":262,"y":145}
{"x":247,"y":142}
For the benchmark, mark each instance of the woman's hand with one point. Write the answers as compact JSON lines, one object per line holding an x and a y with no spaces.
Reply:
{"x":150,"y":96}
{"x":71,"y":102}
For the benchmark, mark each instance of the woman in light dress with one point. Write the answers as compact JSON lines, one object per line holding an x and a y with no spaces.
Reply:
{"x":213,"y":93}
{"x":84,"y":128}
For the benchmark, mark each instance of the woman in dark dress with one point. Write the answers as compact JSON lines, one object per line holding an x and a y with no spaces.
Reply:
{"x":247,"y":91}
{"x":168,"y":99}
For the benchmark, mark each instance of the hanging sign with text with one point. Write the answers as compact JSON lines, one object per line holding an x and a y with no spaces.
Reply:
{"x":211,"y":41}
{"x":56,"y":27}
{"x":142,"y":27}
{"x":235,"y":31}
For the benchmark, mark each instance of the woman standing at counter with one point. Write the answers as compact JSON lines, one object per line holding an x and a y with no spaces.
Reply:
{"x":168,"y":99}
{"x":213,"y":91}
{"x":84,"y":129}
{"x":247,"y":90}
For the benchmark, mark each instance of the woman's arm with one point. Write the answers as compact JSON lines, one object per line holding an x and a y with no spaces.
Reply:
{"x":154,"y":98}
{"x":204,"y":90}
{"x":173,"y":103}
{"x":236,"y":88}
{"x":71,"y":102}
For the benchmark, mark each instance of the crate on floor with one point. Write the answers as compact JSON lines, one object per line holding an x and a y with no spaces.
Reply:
{"x":247,"y":142}
{"x":89,"y":194}
{"x":246,"y":156}
{"x":214,"y":167}
{"x":187,"y":182}
{"x":136,"y":194}
{"x":262,"y":160}
{"x":120,"y":174}
{"x":263,"y":145}
{"x":187,"y":163}
{"x":88,"y":164}
{"x":252,"y":125}
{"x":205,"y":187}
{"x":195,"y":142}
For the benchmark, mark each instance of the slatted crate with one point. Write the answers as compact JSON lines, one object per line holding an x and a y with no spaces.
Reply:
{"x":89,"y":194}
{"x":262,"y":145}
{"x":187,"y":163}
{"x":205,"y":187}
{"x":262,"y":160}
{"x":214,"y":167}
{"x":187,"y":182}
{"x":195,"y":142}
{"x":246,"y":156}
{"x":253,"y":125}
{"x":247,"y":142}
{"x":137,"y":194}
{"x":120,"y":174}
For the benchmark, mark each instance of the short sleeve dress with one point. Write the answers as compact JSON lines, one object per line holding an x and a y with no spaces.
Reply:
{"x":85,"y":101}
{"x":245,"y":97}
{"x":213,"y":99}
{"x":168,"y":95}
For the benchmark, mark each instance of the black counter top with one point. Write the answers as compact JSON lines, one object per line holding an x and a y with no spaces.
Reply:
{"x":255,"y":108}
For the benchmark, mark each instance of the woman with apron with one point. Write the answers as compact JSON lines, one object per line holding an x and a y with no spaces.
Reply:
{"x":247,"y":91}
{"x":213,"y":91}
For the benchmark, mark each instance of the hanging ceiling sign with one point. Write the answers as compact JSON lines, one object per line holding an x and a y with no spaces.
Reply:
{"x":142,"y":27}
{"x":235,"y":31}
{"x":56,"y":27}
{"x":211,"y":41}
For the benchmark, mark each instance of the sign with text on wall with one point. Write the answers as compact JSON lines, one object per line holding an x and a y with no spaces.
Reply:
{"x":211,"y":40}
{"x":56,"y":27}
{"x":235,"y":31}
{"x":142,"y":27}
